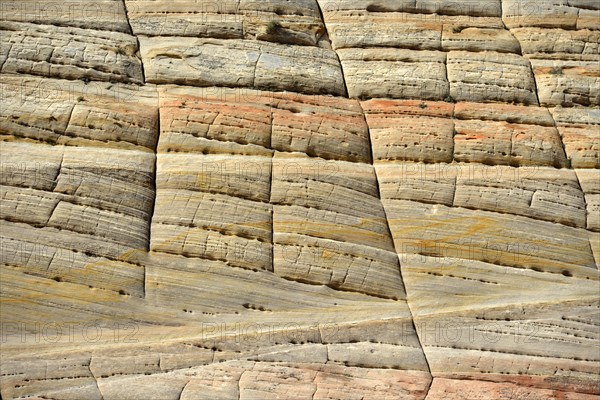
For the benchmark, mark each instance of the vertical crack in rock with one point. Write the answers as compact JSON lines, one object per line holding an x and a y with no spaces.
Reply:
{"x":125,"y":8}
{"x":154,"y":188}
{"x":535,"y":83}
{"x":271,"y":196}
{"x":562,"y":140}
{"x":137,"y":39}
{"x":412,"y":319}
{"x":346,"y":92}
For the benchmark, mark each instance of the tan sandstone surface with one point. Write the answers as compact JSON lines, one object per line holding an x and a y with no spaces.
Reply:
{"x":310,"y":199}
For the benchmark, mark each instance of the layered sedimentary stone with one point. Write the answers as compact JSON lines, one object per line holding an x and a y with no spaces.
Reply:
{"x":564,"y":57}
{"x":595,"y":245}
{"x":581,"y":45}
{"x":491,"y":134}
{"x":541,"y":193}
{"x":265,"y":333}
{"x":97,"y":200}
{"x":220,"y":120}
{"x":490,"y":76}
{"x":329,"y":227}
{"x":578,"y":128}
{"x":567,"y":83}
{"x":506,"y":143}
{"x":289,"y":232}
{"x":70,"y":53}
{"x":215,"y":121}
{"x":486,"y":8}
{"x":567,"y":15}
{"x":474,"y":38}
{"x":74,"y":113}
{"x":410,"y":130}
{"x":395,"y":73}
{"x":457,"y":389}
{"x":100,"y":14}
{"x":479,"y":331}
{"x":363,"y":29}
{"x":589,"y":179}
{"x":284,"y":22}
{"x":241,"y":63}
{"x":247,"y":379}
{"x":69,"y":219}
{"x":223,"y":200}
{"x":492,"y":237}
{"x":504,"y":112}
{"x":382,"y":30}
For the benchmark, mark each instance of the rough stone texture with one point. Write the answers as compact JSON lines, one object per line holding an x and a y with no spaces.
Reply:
{"x":493,"y":134}
{"x":67,"y":218}
{"x":322,"y":237}
{"x":99,"y":14}
{"x":473,"y":8}
{"x":490,"y":76}
{"x":200,"y":226}
{"x":74,"y":113}
{"x":473,"y":38}
{"x":589,"y":179}
{"x":299,"y":22}
{"x":504,"y":239}
{"x":221,"y":120}
{"x":579,"y":45}
{"x":70,"y":53}
{"x":241,"y":63}
{"x":311,"y":199}
{"x":507,"y":135}
{"x":579,"y":129}
{"x":540,"y":193}
{"x":561,"y":39}
{"x":395,"y":73}
{"x":410,"y":130}
{"x":568,"y":15}
{"x":499,"y":142}
{"x":484,"y":324}
{"x":567,"y":83}
{"x":459,"y":389}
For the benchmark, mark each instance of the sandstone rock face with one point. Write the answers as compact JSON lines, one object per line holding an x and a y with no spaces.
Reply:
{"x":296,"y":23}
{"x":107,"y":15}
{"x":240,"y":63}
{"x":70,"y":53}
{"x":315,"y":199}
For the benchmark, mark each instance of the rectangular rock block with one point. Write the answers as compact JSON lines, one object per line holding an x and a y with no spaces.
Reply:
{"x":71,"y":53}
{"x":99,"y":14}
{"x":567,"y":83}
{"x":250,"y":122}
{"x":504,"y":143}
{"x":395,"y":73}
{"x":299,"y":22}
{"x":579,"y":129}
{"x":541,"y":193}
{"x":410,"y":130}
{"x":76,"y":113}
{"x":241,"y":63}
{"x":215,"y":208}
{"x":110,"y":198}
{"x":329,"y":227}
{"x":490,"y":76}
{"x":509,"y":240}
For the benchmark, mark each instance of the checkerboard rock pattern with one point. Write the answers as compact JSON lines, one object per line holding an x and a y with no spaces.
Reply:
{"x":315,"y":199}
